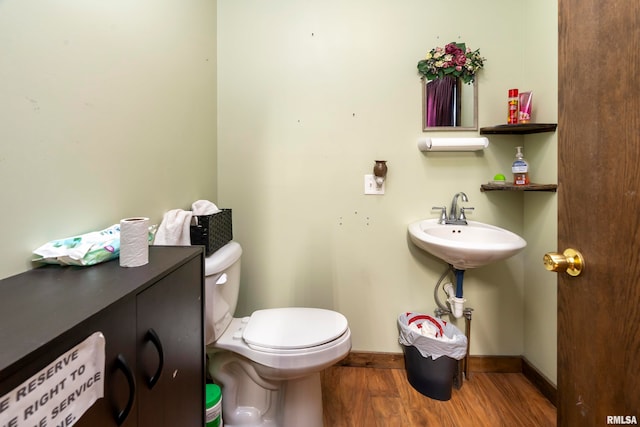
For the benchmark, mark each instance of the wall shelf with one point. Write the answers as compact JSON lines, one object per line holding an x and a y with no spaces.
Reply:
{"x":511,"y":187}
{"x":522,"y":129}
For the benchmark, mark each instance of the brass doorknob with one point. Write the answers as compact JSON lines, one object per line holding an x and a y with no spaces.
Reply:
{"x":570,"y":261}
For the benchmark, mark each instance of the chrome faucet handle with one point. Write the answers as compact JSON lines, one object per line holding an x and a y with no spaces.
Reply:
{"x":462,"y":216}
{"x":443,"y":214}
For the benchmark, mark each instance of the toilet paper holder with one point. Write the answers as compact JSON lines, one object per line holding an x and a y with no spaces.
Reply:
{"x":453,"y":144}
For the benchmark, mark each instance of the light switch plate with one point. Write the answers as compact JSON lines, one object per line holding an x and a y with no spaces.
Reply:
{"x":370,"y":186}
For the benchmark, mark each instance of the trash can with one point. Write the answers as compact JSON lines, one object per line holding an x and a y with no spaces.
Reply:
{"x":432,"y":348}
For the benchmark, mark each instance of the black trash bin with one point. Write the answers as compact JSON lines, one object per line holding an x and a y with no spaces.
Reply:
{"x":433,"y":378}
{"x":431,"y":362}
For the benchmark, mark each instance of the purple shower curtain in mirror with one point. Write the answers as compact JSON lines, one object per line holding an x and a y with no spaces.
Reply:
{"x":441,"y":105}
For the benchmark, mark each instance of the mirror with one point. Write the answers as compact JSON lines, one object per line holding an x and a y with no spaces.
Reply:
{"x":449,"y":104}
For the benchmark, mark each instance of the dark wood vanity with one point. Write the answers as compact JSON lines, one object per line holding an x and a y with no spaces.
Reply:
{"x":151,"y":318}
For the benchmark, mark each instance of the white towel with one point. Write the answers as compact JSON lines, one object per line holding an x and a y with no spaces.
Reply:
{"x":204,"y":207}
{"x":174,"y":229}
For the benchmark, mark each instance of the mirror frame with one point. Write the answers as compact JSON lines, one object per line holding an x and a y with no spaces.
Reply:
{"x":449,"y":128}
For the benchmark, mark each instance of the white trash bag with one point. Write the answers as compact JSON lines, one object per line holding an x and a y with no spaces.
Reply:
{"x":432,"y":337}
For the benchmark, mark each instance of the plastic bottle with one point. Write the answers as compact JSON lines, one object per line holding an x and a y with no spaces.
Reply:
{"x":213,"y":405}
{"x":520,"y":169}
{"x":512,"y":118}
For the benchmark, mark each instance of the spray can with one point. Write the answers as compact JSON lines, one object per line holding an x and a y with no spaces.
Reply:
{"x":512,"y":118}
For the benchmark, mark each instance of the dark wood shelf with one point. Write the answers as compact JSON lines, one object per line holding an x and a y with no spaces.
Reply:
{"x":511,"y":187}
{"x":522,"y":129}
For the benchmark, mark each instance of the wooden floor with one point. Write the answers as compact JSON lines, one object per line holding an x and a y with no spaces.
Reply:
{"x":369,"y":397}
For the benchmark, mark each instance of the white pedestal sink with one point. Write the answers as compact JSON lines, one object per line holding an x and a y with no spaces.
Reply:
{"x":465,"y":246}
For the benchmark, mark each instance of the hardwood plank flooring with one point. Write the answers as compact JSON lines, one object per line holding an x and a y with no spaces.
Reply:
{"x":377,"y":397}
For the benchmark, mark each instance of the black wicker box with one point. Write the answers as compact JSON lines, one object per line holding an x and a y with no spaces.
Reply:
{"x":212,"y":231}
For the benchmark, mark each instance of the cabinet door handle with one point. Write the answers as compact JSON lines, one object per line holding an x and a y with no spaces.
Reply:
{"x":121,"y":363}
{"x":155,"y":340}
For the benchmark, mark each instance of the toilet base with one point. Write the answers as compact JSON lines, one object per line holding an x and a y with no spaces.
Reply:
{"x":249,"y":400}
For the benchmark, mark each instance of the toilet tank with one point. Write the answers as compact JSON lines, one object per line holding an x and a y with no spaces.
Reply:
{"x":221,"y":288}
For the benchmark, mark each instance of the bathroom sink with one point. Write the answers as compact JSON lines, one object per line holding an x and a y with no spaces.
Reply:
{"x":465,"y":246}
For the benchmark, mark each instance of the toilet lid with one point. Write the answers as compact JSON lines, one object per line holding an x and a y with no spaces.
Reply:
{"x":293,"y":327}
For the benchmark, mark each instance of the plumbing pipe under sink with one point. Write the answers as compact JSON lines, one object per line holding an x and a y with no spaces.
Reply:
{"x":459,"y":277}
{"x":456,"y":303}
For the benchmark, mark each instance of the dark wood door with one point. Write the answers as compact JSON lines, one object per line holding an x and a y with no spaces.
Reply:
{"x":599,"y":211}
{"x":171,"y":350}
{"x":116,"y":324}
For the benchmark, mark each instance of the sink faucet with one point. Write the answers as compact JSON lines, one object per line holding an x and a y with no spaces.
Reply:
{"x":454,"y":216}
{"x":453,"y":213}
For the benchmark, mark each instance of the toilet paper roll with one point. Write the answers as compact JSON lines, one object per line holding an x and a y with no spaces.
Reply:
{"x":134,"y":242}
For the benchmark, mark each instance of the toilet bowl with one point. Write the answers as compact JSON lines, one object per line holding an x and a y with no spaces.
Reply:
{"x":268,"y":363}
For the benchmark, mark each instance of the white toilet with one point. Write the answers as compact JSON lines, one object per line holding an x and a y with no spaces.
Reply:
{"x":269,"y":363}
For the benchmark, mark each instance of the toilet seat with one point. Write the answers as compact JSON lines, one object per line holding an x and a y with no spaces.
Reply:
{"x":285,"y":330}
{"x":287,"y":354}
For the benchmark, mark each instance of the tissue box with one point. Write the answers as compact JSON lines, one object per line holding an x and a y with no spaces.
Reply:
{"x":212,"y":231}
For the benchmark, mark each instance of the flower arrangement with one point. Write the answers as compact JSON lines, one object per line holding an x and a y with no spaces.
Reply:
{"x":455,"y":59}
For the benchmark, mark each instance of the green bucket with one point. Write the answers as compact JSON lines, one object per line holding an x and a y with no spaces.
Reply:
{"x":213,"y":401}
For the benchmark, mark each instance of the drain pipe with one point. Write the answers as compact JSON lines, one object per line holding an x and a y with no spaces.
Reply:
{"x":456,"y":303}
{"x":457,"y":309}
{"x":459,"y":279}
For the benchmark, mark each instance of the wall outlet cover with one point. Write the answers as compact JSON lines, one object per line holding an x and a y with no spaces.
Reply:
{"x":370,"y":186}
